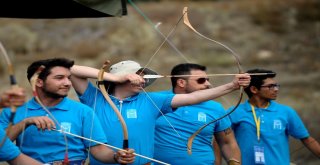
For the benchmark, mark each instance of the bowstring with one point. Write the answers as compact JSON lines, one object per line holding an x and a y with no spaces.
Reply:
{"x":150,"y":99}
{"x":166,"y":39}
{"x":93,"y":116}
{"x":235,"y":55}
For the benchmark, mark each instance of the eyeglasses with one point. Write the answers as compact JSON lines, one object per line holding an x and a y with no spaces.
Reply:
{"x":272,"y":86}
{"x":202,"y":80}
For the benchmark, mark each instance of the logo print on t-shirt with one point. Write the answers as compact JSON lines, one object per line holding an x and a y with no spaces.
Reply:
{"x":66,"y":127}
{"x":277,"y":124}
{"x":202,"y":117}
{"x":131,"y":113}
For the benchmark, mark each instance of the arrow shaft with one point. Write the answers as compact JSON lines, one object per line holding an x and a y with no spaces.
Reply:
{"x":84,"y":138}
{"x":209,"y":75}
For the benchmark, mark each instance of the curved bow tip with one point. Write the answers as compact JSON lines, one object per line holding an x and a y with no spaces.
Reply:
{"x":41,"y":68}
{"x":185,"y":9}
{"x":189,"y":145}
{"x":107,"y":62}
{"x":189,"y":151}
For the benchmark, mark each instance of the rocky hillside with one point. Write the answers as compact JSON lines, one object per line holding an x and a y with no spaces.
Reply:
{"x":280,"y":35}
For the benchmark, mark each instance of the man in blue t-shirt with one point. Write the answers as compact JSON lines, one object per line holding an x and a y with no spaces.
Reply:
{"x":262,"y":126}
{"x":34,"y":124}
{"x":171,"y":147}
{"x":9,"y":151}
{"x":139,"y":110}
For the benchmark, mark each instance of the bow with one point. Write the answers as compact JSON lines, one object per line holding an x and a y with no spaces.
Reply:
{"x":33,"y":82}
{"x":187,"y":22}
{"x":14,"y":85}
{"x":113,"y":106}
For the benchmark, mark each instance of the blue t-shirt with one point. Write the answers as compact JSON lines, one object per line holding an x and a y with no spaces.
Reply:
{"x":277,"y":123}
{"x":171,"y":147}
{"x":8,"y":150}
{"x":47,"y":146}
{"x":139,"y":112}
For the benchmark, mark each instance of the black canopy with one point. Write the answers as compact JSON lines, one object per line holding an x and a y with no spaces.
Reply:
{"x":47,"y":9}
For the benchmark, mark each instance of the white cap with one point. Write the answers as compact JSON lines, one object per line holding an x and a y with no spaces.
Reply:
{"x":130,"y":67}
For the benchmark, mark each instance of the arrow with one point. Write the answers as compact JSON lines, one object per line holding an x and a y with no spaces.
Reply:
{"x":209,"y":75}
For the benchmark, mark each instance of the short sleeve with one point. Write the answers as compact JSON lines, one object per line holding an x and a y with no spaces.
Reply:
{"x":9,"y":150}
{"x":223,"y":123}
{"x":296,"y":127}
{"x":5,"y":118}
{"x":89,"y":95}
{"x":162,"y":101}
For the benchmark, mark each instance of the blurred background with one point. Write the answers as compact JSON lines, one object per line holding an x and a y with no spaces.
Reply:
{"x":283,"y":36}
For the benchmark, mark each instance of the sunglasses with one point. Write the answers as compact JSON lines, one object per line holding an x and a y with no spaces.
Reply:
{"x":202,"y":80}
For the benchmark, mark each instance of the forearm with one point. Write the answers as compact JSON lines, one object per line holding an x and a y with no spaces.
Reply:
{"x":89,"y":72}
{"x":15,"y":130}
{"x":229,"y":146}
{"x":202,"y":95}
{"x":217,"y":152}
{"x":1,"y":104}
{"x":313,"y":145}
{"x":103,"y":154}
{"x":231,"y":152}
{"x":4,"y":101}
{"x":24,"y":160}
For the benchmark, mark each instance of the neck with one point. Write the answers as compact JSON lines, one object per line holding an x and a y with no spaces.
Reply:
{"x":178,"y":90}
{"x":121,"y":93}
{"x":258,"y":102}
{"x":48,"y":101}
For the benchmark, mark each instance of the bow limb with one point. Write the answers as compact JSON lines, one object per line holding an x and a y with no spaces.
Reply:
{"x":113,"y":106}
{"x":166,"y":38}
{"x":187,"y":22}
{"x":235,"y":55}
{"x":33,"y":82}
{"x":191,"y":138}
{"x":14,"y":85}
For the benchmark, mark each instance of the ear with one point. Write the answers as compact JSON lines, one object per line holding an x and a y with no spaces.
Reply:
{"x":39,"y":83}
{"x":181,"y":83}
{"x":254,"y":89}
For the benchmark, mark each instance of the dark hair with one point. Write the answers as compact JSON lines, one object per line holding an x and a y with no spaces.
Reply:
{"x":49,"y":64}
{"x":257,"y":80}
{"x":184,"y":69}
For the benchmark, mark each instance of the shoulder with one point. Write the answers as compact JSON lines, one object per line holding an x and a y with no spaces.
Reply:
{"x":238,"y":112}
{"x":218,"y":107}
{"x":214,"y":103}
{"x":7,"y":110}
{"x":241,"y":107}
{"x":164,"y":92}
{"x":72,"y":104}
{"x":282,"y":107}
{"x":159,"y":94}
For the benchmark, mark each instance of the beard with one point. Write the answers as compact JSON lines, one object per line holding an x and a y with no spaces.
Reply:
{"x":52,"y":94}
